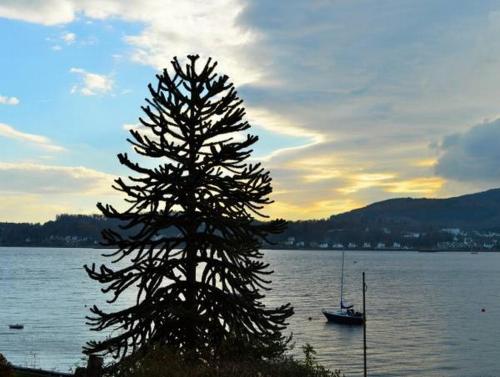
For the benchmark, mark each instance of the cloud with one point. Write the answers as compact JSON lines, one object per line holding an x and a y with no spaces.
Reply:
{"x":40,"y":179}
{"x":392,"y":183}
{"x":367,"y":88}
{"x":31,"y":208}
{"x":38,"y":192}
{"x":427,"y":186}
{"x":91,"y":83}
{"x":182,"y":28}
{"x":45,"y":12}
{"x":208,"y":28}
{"x":363,"y":181}
{"x":473,"y":155}
{"x":282,"y":125}
{"x":171,"y":28}
{"x":291,"y":210}
{"x":37,"y":140}
{"x":4,"y":100}
{"x":146,"y":131}
{"x":68,"y":37}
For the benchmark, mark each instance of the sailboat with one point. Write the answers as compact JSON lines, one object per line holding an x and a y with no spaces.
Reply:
{"x":346,"y":313}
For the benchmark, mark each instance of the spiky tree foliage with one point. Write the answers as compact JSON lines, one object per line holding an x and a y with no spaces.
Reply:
{"x":189,"y":233}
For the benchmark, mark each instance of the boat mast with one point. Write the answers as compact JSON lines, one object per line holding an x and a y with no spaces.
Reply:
{"x":342,"y":282}
{"x":364,"y":327}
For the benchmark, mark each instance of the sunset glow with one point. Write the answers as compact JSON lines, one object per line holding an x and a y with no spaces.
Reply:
{"x":346,"y":113}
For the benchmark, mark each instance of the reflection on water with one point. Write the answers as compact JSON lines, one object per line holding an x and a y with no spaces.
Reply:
{"x":424,"y":310}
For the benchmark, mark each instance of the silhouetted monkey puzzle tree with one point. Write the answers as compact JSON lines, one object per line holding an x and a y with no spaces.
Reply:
{"x":192,"y":244}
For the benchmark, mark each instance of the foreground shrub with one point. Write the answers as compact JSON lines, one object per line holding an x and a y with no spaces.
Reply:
{"x":162,"y":362}
{"x":5,"y":368}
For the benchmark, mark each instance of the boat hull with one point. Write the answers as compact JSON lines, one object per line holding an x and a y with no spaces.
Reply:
{"x":342,"y":317}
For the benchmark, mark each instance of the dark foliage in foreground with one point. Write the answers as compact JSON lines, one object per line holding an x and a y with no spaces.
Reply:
{"x":161,"y":362}
{"x":5,"y":367}
{"x":189,"y":234}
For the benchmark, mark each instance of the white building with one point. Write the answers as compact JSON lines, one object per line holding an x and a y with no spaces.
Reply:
{"x":452,"y":231}
{"x":411,"y":235}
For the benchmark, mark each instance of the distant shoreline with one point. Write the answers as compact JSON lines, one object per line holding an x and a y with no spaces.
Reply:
{"x":424,"y":251}
{"x":390,"y":250}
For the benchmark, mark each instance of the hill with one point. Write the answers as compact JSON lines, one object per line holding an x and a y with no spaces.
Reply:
{"x":459,"y":222}
{"x":479,"y":211}
{"x":65,"y":230}
{"x":456,"y":223}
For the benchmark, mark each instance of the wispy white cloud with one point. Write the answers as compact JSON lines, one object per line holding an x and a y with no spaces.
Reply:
{"x":208,"y":28}
{"x":145,"y":131}
{"x":68,"y":37}
{"x":37,"y":140}
{"x":38,"y":192}
{"x":172,"y":28}
{"x":91,"y":83}
{"x":4,"y":100}
{"x":65,"y":38}
{"x":46,"y":12}
{"x":49,"y":179}
{"x":282,"y":125}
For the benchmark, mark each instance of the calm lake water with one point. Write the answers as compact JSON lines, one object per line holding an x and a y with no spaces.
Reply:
{"x":424,"y":309}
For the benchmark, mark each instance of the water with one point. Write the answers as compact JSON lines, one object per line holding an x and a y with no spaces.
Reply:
{"x":424,"y":309}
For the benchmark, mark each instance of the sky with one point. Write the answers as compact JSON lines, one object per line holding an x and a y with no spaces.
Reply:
{"x":354,"y":101}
